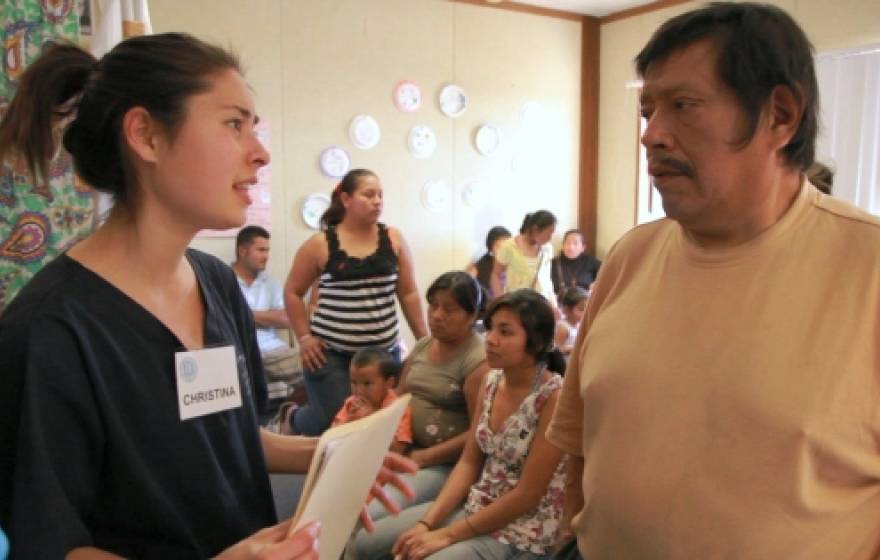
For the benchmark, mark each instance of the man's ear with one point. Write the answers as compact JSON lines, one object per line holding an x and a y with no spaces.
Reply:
{"x":140,"y":133}
{"x":786,"y":110}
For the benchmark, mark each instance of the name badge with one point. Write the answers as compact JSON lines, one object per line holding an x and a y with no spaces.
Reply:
{"x":207,"y":381}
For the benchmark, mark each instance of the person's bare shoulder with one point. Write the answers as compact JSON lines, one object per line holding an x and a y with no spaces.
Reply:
{"x":396,"y":237}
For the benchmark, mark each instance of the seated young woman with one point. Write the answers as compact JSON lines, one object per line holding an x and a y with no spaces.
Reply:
{"x":443,"y":373}
{"x":505,"y":495}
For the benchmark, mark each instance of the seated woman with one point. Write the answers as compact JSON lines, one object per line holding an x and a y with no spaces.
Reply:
{"x":504,"y":497}
{"x":443,"y":373}
{"x":574,"y":267}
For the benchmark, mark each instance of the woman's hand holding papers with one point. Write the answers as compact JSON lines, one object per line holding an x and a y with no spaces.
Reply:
{"x":274,"y":543}
{"x":393,"y":466}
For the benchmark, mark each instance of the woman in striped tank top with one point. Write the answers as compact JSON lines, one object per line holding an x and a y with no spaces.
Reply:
{"x":360,"y":265}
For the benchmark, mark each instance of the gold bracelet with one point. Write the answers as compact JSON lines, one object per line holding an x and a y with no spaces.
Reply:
{"x":425,"y":523}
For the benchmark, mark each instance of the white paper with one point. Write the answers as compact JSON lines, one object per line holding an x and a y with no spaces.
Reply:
{"x":343,"y":470}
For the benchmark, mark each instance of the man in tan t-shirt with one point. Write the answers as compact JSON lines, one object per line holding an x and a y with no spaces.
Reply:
{"x":723,"y":400}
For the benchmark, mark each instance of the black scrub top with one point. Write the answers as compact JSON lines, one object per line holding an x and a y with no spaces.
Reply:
{"x":92,"y":448}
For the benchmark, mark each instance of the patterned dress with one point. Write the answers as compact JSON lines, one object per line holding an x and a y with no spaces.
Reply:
{"x":506,"y":451}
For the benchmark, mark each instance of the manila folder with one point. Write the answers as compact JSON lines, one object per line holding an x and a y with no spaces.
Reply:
{"x":343,"y":469}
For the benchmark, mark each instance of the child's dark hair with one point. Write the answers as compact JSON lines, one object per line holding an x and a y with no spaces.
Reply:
{"x":572,"y":296}
{"x":385,"y":362}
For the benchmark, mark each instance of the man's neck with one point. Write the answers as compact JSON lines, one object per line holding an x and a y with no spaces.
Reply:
{"x":744,"y":226}
{"x":246,"y":274}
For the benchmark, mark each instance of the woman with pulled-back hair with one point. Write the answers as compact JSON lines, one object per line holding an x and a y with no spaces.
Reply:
{"x":360,"y":265}
{"x":524,"y":261}
{"x":131,"y":379}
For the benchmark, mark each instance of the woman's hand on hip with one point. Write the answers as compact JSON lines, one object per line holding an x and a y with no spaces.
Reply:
{"x":312,"y":352}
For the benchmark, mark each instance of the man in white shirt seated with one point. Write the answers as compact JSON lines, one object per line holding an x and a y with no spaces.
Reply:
{"x":265,"y":296}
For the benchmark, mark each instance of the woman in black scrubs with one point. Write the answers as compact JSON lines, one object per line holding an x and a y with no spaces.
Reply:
{"x":131,"y":379}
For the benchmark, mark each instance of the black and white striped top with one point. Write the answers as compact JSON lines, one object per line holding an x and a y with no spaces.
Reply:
{"x":356,"y":305}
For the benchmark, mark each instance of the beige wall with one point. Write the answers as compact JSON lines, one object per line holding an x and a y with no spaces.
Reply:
{"x":830,"y":25}
{"x":315,"y":64}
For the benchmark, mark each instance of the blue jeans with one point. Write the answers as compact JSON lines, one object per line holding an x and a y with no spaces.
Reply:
{"x":327,"y":388}
{"x":377,"y":545}
{"x":426,"y":483}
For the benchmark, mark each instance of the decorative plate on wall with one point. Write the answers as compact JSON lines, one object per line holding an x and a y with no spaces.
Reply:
{"x":313,"y":208}
{"x":422,"y":141}
{"x":436,"y":195}
{"x":475,"y":193}
{"x":407,"y":96}
{"x":364,"y":132}
{"x":335,"y":162}
{"x":453,"y":101}
{"x":487,"y":139}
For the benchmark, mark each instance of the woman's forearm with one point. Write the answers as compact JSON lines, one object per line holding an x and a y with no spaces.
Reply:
{"x":453,"y":493}
{"x":296,"y":312}
{"x":411,"y":305}
{"x":496,"y":515}
{"x":287,"y":454}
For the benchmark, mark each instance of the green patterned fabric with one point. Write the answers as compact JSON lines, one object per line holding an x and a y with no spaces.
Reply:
{"x":37,"y":221}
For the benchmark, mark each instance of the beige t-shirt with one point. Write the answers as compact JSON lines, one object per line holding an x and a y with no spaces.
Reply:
{"x":727,"y":401}
{"x":523,"y":271}
{"x":439,"y":408}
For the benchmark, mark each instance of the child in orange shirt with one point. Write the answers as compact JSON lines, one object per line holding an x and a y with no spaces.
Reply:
{"x":374,"y":374}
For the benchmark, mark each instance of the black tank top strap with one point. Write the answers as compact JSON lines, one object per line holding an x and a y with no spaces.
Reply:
{"x":384,"y":240}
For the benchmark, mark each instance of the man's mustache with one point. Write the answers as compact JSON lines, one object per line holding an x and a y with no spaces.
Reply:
{"x":665,"y":164}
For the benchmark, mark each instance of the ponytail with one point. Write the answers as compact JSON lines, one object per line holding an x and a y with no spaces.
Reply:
{"x":157,"y":72}
{"x":48,"y":91}
{"x":526,"y":224}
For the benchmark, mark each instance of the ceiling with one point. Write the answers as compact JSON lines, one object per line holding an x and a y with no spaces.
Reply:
{"x":596,"y":8}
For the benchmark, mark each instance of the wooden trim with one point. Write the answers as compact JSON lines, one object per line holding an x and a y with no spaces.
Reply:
{"x":588,"y":187}
{"x":639,"y":10}
{"x":638,"y":184}
{"x":523,"y":8}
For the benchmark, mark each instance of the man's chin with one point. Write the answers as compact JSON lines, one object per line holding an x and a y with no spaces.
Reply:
{"x":678,"y":210}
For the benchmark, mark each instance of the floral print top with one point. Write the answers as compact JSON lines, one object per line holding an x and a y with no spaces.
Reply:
{"x":506,"y":451}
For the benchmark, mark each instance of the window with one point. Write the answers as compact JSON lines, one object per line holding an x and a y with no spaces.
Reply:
{"x":649,"y":205}
{"x":849,"y":133}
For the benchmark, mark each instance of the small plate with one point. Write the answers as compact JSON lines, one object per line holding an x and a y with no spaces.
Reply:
{"x":422,"y":141}
{"x":407,"y":96}
{"x":335,"y":162}
{"x":364,"y":132}
{"x":487,"y":139}
{"x":453,"y":101}
{"x":436,"y":195}
{"x":475,"y":193}
{"x":313,"y":208}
